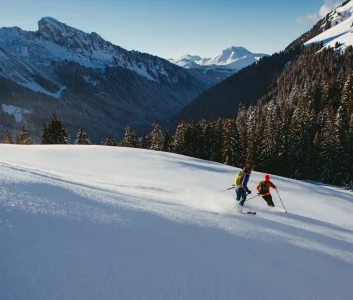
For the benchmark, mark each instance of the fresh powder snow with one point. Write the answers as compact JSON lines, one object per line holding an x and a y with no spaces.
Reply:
{"x":97,"y":222}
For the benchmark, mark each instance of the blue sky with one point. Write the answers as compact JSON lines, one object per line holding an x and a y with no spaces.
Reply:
{"x":171,"y":28}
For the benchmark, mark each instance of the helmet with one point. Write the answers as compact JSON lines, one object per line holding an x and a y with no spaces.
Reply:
{"x":249,"y":167}
{"x":267,"y":177}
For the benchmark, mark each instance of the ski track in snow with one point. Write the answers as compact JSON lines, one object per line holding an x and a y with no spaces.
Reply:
{"x":72,"y":230}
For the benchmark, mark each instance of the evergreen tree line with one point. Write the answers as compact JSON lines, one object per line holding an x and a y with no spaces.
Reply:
{"x":303,"y":127}
{"x":53,"y":133}
{"x":302,"y":141}
{"x":22,"y":138}
{"x":310,"y":136}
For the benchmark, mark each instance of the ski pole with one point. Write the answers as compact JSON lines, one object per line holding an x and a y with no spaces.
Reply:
{"x":246,"y":200}
{"x":252,"y":197}
{"x":228,"y":189}
{"x":281,"y":201}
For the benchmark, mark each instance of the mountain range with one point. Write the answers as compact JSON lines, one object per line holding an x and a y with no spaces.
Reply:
{"x":90,"y":82}
{"x":215,"y":69}
{"x":85,"y":80}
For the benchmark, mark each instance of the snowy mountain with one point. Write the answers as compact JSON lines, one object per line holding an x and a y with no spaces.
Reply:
{"x":268,"y":80}
{"x":87,"y":80}
{"x":137,"y":224}
{"x":234,"y":58}
{"x":223,"y":65}
{"x":337,"y":27}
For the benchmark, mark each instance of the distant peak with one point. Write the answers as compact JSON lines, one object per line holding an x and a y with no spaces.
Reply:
{"x":50,"y":25}
{"x":50,"y":19}
{"x":236,"y":49}
{"x":191,"y":57}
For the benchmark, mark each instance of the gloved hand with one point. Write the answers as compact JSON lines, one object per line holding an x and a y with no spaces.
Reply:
{"x":249,"y":192}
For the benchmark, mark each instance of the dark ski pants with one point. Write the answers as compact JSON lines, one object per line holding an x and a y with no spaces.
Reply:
{"x":268,"y":199}
{"x":241,"y":196}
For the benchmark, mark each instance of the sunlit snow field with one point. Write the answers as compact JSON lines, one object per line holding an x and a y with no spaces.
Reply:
{"x":95,"y":222}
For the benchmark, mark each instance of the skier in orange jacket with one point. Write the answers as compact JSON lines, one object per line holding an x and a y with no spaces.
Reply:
{"x":264,"y":190}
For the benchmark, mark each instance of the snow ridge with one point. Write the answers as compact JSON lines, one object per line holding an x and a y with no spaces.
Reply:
{"x":341,"y":31}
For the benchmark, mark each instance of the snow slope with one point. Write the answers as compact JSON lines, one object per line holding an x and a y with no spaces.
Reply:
{"x":95,"y":222}
{"x":341,"y":30}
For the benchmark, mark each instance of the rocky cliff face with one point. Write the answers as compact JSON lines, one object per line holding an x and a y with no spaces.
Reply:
{"x":86,"y":81}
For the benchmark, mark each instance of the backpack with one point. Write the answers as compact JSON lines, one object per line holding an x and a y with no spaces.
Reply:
{"x":263,"y":188}
{"x":239,"y":179}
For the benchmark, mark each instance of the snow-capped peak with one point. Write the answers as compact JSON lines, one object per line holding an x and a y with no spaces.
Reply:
{"x":56,"y":41}
{"x":194,"y":58}
{"x":233,"y":58}
{"x":48,"y":24}
{"x":65,"y":35}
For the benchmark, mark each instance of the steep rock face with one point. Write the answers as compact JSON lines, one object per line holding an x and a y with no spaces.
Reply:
{"x":87,"y":81}
{"x":216,"y":69}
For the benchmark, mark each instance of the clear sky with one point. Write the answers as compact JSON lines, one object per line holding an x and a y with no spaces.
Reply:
{"x":171,"y":28}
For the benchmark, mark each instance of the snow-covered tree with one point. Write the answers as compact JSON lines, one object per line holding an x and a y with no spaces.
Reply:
{"x":56,"y":132}
{"x":167,"y":141}
{"x":330,"y":149}
{"x":109,"y":142}
{"x":145,"y":141}
{"x":179,"y":143}
{"x":230,"y":143}
{"x":156,"y":137}
{"x":45,"y":135}
{"x":130,"y":138}
{"x":7,"y":139}
{"x":24,"y":138}
{"x":82,"y":137}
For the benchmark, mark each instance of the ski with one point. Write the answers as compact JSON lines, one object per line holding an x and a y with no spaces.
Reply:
{"x":248,"y":212}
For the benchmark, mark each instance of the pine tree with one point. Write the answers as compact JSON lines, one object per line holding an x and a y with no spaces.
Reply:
{"x":7,"y":139}
{"x":17,"y":139}
{"x":130,"y":138}
{"x":302,"y":134}
{"x":269,"y":141}
{"x":330,"y":149}
{"x":208,"y":140}
{"x":156,"y":137}
{"x":167,"y":141}
{"x":24,"y":138}
{"x":315,"y":161}
{"x":108,"y":141}
{"x":230,"y":143}
{"x":242,"y":130}
{"x":82,"y":137}
{"x":45,"y":135}
{"x":56,"y":132}
{"x":216,"y":142}
{"x":145,"y":141}
{"x":350,"y":152}
{"x":347,"y":95}
{"x":255,"y":130}
{"x":179,"y":143}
